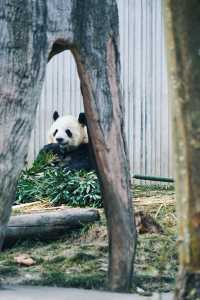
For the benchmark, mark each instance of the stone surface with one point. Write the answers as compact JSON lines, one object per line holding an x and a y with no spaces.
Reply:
{"x":51,"y":293}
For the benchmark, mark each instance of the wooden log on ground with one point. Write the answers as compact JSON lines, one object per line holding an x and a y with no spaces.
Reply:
{"x":48,"y":225}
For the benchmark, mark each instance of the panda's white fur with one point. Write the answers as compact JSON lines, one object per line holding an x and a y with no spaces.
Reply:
{"x":68,"y":132}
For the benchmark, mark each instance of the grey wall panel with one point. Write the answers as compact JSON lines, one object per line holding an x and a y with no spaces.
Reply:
{"x":144,"y":86}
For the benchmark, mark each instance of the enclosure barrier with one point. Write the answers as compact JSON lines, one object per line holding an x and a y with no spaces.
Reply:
{"x":153,"y":178}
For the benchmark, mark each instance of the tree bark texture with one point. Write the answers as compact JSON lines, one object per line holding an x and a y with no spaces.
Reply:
{"x":183,"y":45}
{"x":32,"y":32}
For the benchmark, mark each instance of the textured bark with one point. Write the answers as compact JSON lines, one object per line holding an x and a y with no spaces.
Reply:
{"x":183,"y":44}
{"x":32,"y":33}
{"x":48,"y":225}
{"x":23,"y":45}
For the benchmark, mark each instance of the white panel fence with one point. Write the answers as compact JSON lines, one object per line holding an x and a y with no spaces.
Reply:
{"x":144,"y":83}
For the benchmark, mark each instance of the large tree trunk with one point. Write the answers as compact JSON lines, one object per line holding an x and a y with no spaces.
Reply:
{"x":39,"y":29}
{"x":23,"y":54}
{"x":183,"y":44}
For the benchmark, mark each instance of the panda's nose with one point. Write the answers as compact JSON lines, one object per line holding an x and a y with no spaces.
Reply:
{"x":59,"y":140}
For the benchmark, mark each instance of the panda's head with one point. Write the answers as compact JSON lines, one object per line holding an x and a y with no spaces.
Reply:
{"x":67,"y":131}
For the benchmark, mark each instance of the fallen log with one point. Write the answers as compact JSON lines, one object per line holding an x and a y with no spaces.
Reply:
{"x":48,"y":225}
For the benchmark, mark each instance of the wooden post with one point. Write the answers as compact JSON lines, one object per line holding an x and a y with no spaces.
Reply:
{"x":183,"y":45}
{"x":37,"y":31}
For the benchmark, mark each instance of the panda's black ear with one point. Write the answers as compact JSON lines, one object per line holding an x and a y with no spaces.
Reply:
{"x":55,"y":115}
{"x":82,"y":119}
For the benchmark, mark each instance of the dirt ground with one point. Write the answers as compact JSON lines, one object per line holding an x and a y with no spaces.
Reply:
{"x":80,"y":259}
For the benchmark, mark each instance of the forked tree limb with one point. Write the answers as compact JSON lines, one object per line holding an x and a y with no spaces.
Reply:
{"x":31,"y":33}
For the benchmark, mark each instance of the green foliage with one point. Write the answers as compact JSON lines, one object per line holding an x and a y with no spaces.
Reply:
{"x":43,"y":161}
{"x":45,"y":181}
{"x":61,"y":279}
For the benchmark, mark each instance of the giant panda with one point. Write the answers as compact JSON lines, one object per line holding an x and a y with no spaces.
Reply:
{"x":67,"y":131}
{"x":68,"y":140}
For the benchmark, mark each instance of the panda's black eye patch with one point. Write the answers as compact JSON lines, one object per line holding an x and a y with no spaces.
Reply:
{"x":55,"y":132}
{"x":69,"y":133}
